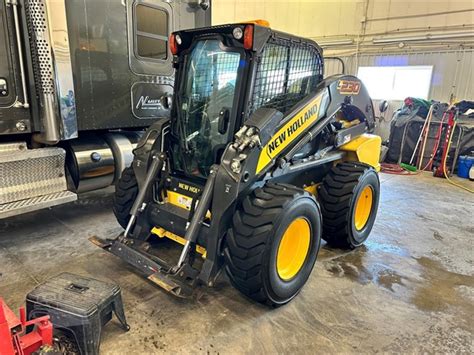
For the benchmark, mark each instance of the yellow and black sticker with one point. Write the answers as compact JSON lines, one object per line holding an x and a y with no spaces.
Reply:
{"x":180,"y":200}
{"x":181,"y":193}
{"x":289,"y":132}
{"x":189,"y":188}
{"x":348,"y":87}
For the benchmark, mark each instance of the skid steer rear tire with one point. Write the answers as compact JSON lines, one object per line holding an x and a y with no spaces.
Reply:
{"x":273,"y":243}
{"x":349,"y":197}
{"x":126,"y":191}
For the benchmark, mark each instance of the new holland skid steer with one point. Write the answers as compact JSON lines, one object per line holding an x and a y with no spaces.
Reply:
{"x":261,"y":158}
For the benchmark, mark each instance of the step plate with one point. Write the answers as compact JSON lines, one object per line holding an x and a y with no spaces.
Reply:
{"x":36,"y":203}
{"x":13,"y":147}
{"x":31,"y":173}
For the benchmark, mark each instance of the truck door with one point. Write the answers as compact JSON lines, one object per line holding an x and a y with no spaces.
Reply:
{"x":149,"y":26}
{"x":150,"y":23}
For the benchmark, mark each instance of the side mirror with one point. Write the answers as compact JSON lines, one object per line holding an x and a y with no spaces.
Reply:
{"x":223,"y":122}
{"x":204,"y":4}
{"x":166,"y":101}
{"x":383,"y":106}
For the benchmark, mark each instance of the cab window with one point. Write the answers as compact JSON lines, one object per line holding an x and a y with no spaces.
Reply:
{"x":285,"y":75}
{"x":151,"y":32}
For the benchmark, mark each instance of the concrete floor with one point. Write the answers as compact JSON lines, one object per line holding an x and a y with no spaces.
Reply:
{"x":409,"y":289}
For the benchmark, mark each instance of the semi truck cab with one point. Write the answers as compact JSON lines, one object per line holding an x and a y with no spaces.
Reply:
{"x":79,"y":82}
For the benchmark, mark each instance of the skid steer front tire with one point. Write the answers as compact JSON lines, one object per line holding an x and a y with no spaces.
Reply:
{"x":126,"y":191}
{"x":273,"y":243}
{"x":349,"y":197}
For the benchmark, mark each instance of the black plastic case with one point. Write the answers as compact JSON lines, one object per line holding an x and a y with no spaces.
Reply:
{"x":78,"y":306}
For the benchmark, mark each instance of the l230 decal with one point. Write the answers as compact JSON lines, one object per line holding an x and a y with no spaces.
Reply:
{"x":348,"y":87}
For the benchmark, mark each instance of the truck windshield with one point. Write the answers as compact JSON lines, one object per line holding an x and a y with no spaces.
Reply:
{"x":205,"y":97}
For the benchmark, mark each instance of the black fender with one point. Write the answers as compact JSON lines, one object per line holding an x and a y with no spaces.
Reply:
{"x":350,"y":93}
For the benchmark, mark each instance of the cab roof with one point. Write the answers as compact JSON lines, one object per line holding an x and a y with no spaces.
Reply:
{"x":261,"y":36}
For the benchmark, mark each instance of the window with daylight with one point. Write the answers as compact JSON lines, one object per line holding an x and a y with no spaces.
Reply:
{"x":151,"y":32}
{"x":397,"y":83}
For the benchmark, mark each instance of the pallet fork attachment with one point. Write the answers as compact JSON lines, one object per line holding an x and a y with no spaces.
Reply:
{"x":153,"y":268}
{"x":179,"y":279}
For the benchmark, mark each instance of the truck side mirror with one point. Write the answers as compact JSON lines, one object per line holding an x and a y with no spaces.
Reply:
{"x":166,"y":101}
{"x":383,"y":106}
{"x":204,"y":4}
{"x":223,"y":122}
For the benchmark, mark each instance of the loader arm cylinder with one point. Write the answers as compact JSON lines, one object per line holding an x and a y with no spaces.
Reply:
{"x":201,"y":209}
{"x":156,"y":166}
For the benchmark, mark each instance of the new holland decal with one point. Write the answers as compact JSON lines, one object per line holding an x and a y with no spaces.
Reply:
{"x":348,"y":87}
{"x":289,"y":132}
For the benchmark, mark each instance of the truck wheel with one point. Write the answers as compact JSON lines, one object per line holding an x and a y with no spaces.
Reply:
{"x":273,"y":243}
{"x":126,"y":191}
{"x":349,"y":197}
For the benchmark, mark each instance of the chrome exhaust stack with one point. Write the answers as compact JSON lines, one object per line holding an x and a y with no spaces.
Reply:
{"x":48,"y":33}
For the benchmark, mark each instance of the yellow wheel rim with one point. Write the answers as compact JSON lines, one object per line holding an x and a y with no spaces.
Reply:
{"x":363,"y":208}
{"x":293,"y":248}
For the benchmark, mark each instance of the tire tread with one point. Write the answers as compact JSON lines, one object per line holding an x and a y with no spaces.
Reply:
{"x":126,"y":191}
{"x":335,"y":194}
{"x":246,"y":240}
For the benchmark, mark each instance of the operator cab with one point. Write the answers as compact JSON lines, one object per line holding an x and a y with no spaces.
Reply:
{"x":204,"y":105}
{"x":223,"y":75}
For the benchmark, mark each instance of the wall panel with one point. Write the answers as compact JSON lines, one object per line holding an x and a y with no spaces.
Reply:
{"x":452,"y":75}
{"x":452,"y":71}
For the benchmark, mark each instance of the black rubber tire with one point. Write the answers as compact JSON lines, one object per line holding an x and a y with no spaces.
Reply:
{"x":126,"y":190}
{"x":338,"y":195}
{"x":252,"y":242}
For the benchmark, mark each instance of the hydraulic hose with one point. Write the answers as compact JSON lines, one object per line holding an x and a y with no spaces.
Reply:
{"x":396,"y":169}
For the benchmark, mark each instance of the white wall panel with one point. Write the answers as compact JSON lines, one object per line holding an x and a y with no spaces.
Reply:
{"x":343,"y":18}
{"x":452,"y":75}
{"x":452,"y":71}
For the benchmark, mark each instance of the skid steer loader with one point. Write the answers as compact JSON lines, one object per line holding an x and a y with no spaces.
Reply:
{"x":261,"y":158}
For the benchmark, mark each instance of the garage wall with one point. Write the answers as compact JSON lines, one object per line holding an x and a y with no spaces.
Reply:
{"x":453,"y":72}
{"x":453,"y":75}
{"x":357,"y":20}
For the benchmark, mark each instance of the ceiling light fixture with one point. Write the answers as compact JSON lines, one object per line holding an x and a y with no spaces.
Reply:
{"x":427,"y":37}
{"x":342,"y":42}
